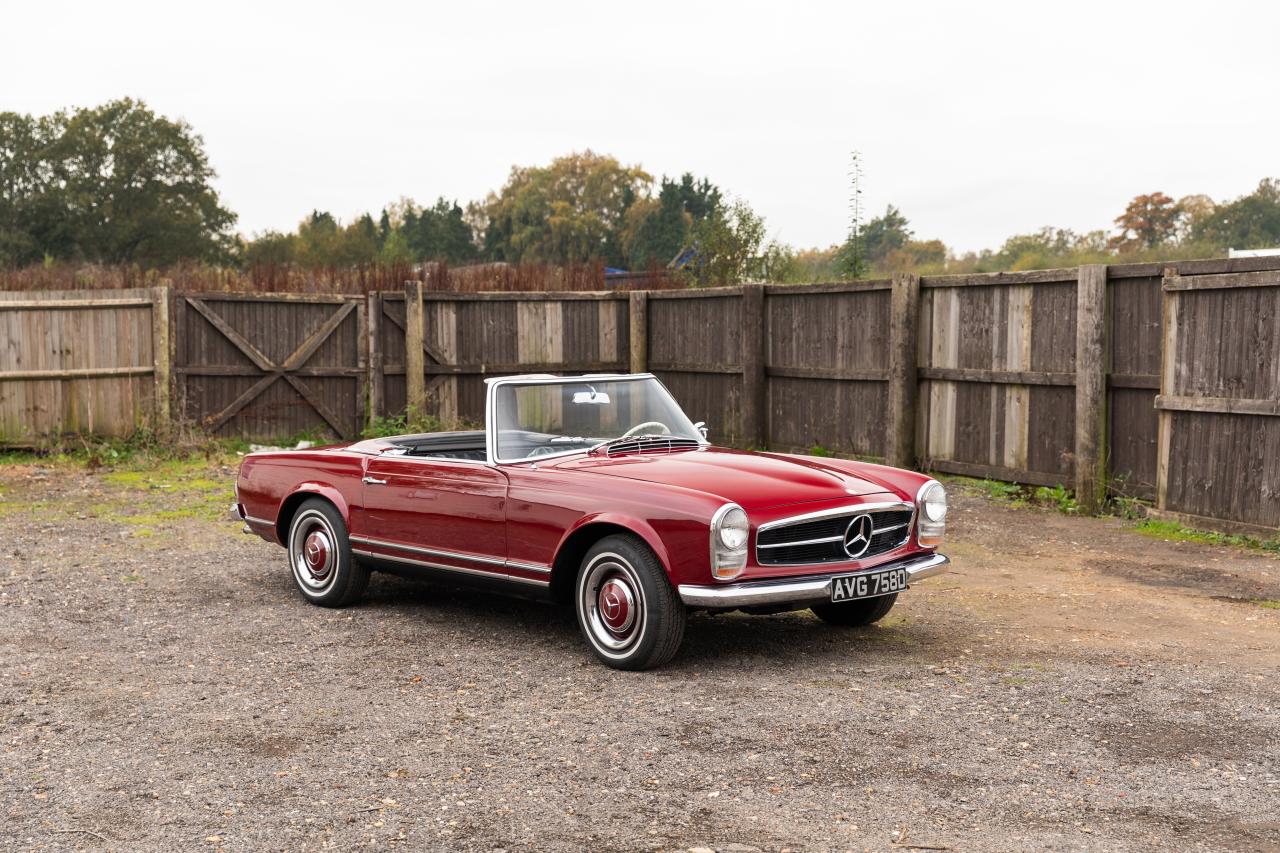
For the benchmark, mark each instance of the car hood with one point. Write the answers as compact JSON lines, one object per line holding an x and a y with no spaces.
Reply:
{"x":751,"y":480}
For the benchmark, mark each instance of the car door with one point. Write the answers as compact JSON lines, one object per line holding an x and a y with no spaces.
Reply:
{"x":441,"y":513}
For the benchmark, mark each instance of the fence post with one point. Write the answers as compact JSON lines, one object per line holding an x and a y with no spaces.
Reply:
{"x":161,"y":358}
{"x":374,"y":349}
{"x":900,"y":427}
{"x":415,"y":380}
{"x":1091,"y":388}
{"x":638,"y":315}
{"x":755,"y":345}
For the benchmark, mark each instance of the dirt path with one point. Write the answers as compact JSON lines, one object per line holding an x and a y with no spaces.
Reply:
{"x":1072,"y":686}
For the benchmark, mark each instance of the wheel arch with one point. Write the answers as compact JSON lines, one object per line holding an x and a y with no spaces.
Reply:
{"x":300,"y":495}
{"x":578,"y":541}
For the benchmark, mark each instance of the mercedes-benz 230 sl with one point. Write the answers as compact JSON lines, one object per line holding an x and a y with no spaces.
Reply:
{"x":600,"y":492}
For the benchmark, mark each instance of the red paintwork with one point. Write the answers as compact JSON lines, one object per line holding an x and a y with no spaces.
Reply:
{"x":526,"y":513}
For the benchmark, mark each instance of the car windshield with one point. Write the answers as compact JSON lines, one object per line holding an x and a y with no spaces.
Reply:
{"x":544,"y":418}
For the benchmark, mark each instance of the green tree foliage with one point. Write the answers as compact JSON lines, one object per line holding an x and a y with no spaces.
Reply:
{"x":658,"y":230}
{"x":437,"y":233}
{"x":570,"y":211}
{"x":116,"y":183}
{"x":730,"y":245}
{"x":1250,"y":222}
{"x":885,"y":234}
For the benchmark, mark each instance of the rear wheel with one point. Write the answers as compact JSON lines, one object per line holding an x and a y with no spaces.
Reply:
{"x":324,"y":570}
{"x":628,"y":611}
{"x":851,"y":614}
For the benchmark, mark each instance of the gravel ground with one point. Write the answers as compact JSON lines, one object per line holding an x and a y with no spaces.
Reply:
{"x":1073,"y":685}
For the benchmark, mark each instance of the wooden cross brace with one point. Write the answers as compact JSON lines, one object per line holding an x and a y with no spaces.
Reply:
{"x":273,"y":371}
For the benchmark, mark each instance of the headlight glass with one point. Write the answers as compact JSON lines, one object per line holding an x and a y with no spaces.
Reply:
{"x":931,"y":506}
{"x":733,"y":530}
{"x":934,"y":503}
{"x":730,"y":531}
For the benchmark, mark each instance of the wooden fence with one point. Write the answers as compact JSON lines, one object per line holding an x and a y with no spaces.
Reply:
{"x":83,"y":362}
{"x":1099,"y":378}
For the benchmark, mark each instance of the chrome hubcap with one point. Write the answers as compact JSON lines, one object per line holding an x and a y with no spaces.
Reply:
{"x":312,"y":551}
{"x":316,"y":551}
{"x":611,"y":603}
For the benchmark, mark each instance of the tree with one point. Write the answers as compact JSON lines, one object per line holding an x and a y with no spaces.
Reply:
{"x":729,"y":246}
{"x":570,"y":211}
{"x":885,"y":234}
{"x":1250,"y":222}
{"x":438,"y":233}
{"x":130,"y":186}
{"x":657,"y":230}
{"x":1148,"y":221}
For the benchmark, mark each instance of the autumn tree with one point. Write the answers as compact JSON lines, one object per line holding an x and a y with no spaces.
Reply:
{"x":1149,"y":221}
{"x":572,"y":210}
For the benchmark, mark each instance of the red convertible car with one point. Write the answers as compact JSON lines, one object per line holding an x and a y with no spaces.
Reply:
{"x":598,"y":490}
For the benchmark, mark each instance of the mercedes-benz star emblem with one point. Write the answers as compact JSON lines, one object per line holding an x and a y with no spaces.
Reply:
{"x":611,"y":604}
{"x":857,"y":536}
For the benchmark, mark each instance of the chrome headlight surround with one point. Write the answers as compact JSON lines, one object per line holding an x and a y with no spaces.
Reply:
{"x":730,"y":539}
{"x":931,"y":512}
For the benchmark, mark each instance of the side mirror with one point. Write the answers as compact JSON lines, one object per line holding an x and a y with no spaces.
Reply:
{"x":701,"y":426}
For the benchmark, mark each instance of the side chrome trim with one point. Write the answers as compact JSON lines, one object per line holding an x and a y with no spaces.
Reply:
{"x":528,"y":567}
{"x":802,"y":590}
{"x":262,"y":521}
{"x":452,"y":555}
{"x":430,"y":565}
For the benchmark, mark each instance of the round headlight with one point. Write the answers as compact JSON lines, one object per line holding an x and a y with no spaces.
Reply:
{"x":933,"y":503}
{"x":733,"y":530}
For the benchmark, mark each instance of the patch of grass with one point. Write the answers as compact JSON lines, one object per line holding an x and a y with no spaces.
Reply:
{"x":401,"y":425}
{"x":998,"y":491}
{"x":1268,"y":603}
{"x":819,"y":450}
{"x":1014,"y":680}
{"x":1175,"y":532}
{"x":1059,"y":497}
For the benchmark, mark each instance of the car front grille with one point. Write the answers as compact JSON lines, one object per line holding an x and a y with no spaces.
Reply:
{"x":821,"y":540}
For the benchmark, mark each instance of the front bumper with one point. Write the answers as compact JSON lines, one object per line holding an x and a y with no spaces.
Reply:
{"x":809,"y":589}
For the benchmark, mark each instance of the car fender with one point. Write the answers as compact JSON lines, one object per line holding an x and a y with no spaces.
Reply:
{"x":638,"y":526}
{"x":311,"y":487}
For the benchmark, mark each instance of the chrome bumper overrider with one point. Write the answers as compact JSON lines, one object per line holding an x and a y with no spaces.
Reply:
{"x":810,"y":588}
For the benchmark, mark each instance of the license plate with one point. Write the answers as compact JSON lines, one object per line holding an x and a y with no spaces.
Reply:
{"x":868,"y":585}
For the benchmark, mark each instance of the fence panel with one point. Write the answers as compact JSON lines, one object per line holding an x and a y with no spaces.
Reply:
{"x":695,"y":348}
{"x":1219,"y":403}
{"x":828,"y":367}
{"x":998,"y":371}
{"x":469,"y":336}
{"x":266,"y":365}
{"x":81,"y":362}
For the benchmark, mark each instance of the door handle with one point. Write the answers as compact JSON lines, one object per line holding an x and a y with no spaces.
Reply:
{"x":373,"y":481}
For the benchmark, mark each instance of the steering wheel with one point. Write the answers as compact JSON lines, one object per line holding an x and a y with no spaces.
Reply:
{"x":541,"y":450}
{"x":635,"y":430}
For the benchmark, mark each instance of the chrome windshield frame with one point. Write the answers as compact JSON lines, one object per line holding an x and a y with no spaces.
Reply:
{"x":491,"y":398}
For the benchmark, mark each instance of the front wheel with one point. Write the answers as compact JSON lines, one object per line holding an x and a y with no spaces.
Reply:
{"x":851,"y":614}
{"x":628,"y":611}
{"x":324,"y":569}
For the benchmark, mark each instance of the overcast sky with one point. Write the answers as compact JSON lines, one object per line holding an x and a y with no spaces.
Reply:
{"x":977,"y":120}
